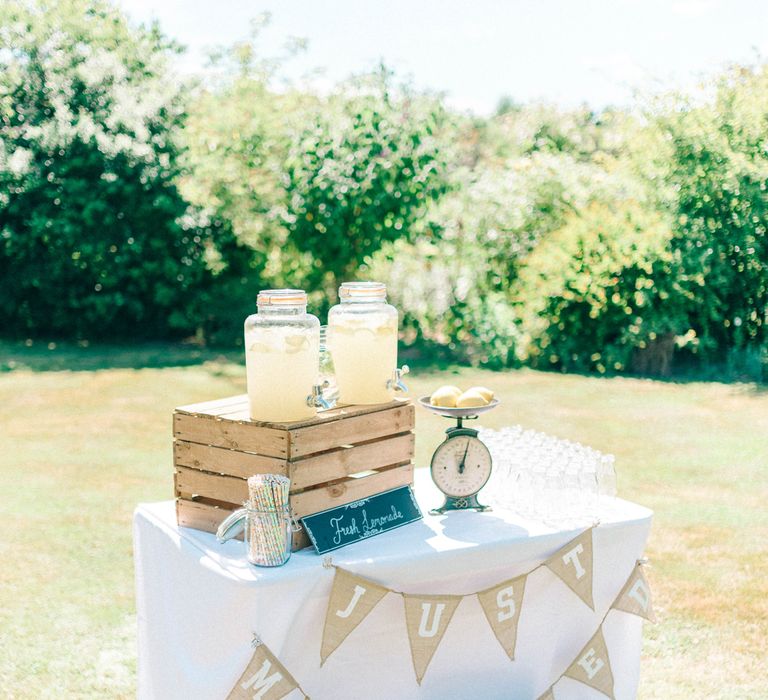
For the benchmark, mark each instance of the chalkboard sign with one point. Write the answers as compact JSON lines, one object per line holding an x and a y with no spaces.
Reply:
{"x":343,"y":525}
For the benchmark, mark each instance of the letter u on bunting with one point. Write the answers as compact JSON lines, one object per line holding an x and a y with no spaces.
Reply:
{"x":501,"y":605}
{"x":592,"y":666}
{"x":427,"y":617}
{"x":352,"y":598}
{"x":573,"y":564}
{"x":264,"y":678}
{"x":635,"y":597}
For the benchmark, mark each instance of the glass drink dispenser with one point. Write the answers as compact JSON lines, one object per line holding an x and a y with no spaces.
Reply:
{"x":362,"y":339}
{"x":282,"y":355}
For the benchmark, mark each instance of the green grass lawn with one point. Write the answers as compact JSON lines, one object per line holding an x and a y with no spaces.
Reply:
{"x":81,"y":448}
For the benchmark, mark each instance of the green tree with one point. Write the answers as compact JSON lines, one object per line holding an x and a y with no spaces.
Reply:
{"x":706,"y":161}
{"x":95,"y":239}
{"x":361,"y":169}
{"x":604,"y":293}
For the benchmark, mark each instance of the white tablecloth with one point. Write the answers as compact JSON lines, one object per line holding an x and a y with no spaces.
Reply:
{"x":199,"y":603}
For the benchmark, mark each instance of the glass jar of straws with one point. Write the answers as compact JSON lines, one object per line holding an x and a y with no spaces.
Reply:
{"x":268,"y":535}
{"x":265,"y":521}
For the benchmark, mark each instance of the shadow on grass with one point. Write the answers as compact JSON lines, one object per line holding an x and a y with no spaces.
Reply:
{"x":72,"y":357}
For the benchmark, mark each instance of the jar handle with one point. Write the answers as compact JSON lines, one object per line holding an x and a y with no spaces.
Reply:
{"x":232,"y":525}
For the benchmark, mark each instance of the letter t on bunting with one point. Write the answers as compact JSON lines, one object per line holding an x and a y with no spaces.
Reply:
{"x":573,"y":564}
{"x":427,"y":617}
{"x":264,"y":678}
{"x":352,"y":598}
{"x":501,"y":605}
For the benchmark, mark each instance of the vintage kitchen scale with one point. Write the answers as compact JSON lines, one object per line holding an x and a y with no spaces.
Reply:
{"x":461,"y":464}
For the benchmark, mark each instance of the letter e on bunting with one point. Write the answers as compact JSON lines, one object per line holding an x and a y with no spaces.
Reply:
{"x":265,"y":678}
{"x":573,"y":564}
{"x":427,"y":617}
{"x":592,"y":666}
{"x":548,"y":695}
{"x":501,"y":605}
{"x":352,"y":598}
{"x":635,"y":597}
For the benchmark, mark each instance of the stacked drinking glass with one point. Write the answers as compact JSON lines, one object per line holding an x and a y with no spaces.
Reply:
{"x":546,"y":478}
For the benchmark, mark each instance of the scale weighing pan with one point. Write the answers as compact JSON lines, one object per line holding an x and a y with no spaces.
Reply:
{"x":449,"y":412}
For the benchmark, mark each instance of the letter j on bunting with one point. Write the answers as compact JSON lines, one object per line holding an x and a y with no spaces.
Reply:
{"x":264,"y":678}
{"x":352,"y":598}
{"x":573,"y":564}
{"x":427,"y":617}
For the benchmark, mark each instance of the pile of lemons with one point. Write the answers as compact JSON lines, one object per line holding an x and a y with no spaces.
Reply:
{"x":453,"y":397}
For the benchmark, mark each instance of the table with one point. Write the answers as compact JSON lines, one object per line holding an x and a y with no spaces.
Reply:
{"x":199,"y":603}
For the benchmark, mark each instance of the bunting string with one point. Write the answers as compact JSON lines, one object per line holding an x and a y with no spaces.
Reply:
{"x":427,"y":617}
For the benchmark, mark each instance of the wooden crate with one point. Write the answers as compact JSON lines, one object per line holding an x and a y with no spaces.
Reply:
{"x":340,"y":456}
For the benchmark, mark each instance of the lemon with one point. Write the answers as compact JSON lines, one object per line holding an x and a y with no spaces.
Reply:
{"x":487,"y":394}
{"x":445,"y":396}
{"x":471,"y":399}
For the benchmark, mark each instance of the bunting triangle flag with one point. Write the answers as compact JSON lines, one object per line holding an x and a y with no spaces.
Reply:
{"x":501,"y":605}
{"x":635,"y":597}
{"x":352,"y":598}
{"x":592,"y":666}
{"x":573,"y":564}
{"x":548,"y":695}
{"x":427,"y":617}
{"x":264,"y":678}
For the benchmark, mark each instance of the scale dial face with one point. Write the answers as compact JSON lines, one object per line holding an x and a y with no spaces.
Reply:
{"x":461,"y":466}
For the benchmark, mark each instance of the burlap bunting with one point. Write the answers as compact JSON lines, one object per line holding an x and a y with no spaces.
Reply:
{"x":352,"y":598}
{"x":548,"y":695}
{"x":592,"y":665}
{"x":502,"y":605}
{"x":635,"y":597}
{"x":264,"y":678}
{"x":573,"y":564}
{"x":427,"y":617}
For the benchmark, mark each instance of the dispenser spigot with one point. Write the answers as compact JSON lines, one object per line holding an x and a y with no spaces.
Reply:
{"x":396,"y":383}
{"x":317,"y":397}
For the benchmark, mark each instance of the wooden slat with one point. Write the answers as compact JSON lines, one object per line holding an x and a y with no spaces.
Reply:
{"x":199,"y":516}
{"x":339,"y":413}
{"x":217,"y":407}
{"x":230,"y":434}
{"x":356,"y":429}
{"x":193,"y":482}
{"x":343,"y":492}
{"x":223,"y":461}
{"x":336,"y":464}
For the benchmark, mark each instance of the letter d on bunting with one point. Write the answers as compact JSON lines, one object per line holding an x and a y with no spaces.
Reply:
{"x":635,"y":597}
{"x":264,"y":678}
{"x":573,"y":564}
{"x":352,"y":598}
{"x":427,"y":617}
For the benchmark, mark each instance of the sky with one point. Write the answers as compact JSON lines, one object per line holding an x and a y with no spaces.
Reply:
{"x":568,"y":52}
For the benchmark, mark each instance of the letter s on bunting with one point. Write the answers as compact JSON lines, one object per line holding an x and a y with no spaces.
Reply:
{"x":501,"y":605}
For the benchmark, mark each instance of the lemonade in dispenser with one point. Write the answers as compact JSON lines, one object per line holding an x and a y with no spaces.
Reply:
{"x":282,"y":348}
{"x":362,"y":339}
